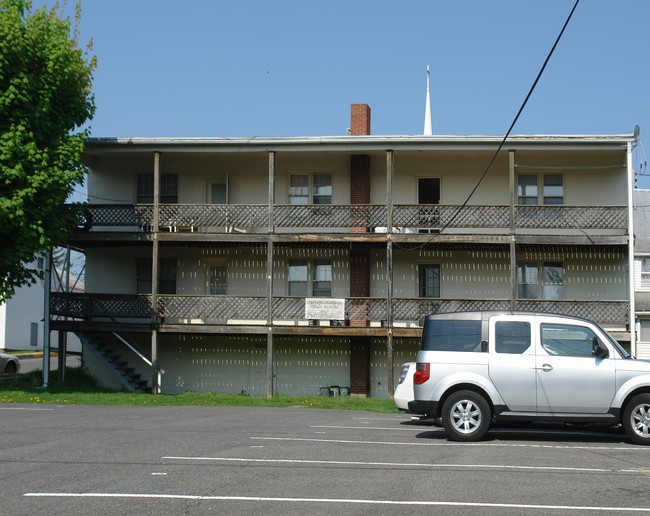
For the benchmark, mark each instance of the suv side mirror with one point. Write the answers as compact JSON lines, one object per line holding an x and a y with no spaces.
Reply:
{"x":600,"y":351}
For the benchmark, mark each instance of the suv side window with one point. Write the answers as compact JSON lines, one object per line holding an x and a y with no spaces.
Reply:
{"x":511,"y":337}
{"x":451,"y":335}
{"x":568,"y":340}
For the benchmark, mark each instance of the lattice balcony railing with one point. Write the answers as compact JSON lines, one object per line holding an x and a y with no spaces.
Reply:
{"x":440,"y":216}
{"x":233,"y":309}
{"x":571,"y":217}
{"x":407,"y":309}
{"x":361,"y":308}
{"x":602,"y":312}
{"x":218,"y":308}
{"x":222,"y":218}
{"x":88,"y":306}
{"x":101,"y":215}
{"x":216,"y":218}
{"x":330,"y":216}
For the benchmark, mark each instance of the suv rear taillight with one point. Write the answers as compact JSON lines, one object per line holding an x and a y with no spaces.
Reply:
{"x":422,"y":373}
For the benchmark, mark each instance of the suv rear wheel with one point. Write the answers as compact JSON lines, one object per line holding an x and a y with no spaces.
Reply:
{"x":636,"y":419}
{"x":466,"y":416}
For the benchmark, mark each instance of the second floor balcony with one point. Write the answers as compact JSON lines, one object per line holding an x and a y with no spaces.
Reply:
{"x":373,"y":218}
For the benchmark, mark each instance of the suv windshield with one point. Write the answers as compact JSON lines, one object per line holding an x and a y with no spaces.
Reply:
{"x":451,"y":335}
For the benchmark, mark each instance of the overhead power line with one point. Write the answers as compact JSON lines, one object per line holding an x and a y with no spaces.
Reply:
{"x":503,"y":141}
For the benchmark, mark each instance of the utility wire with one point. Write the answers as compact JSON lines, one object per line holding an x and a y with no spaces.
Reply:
{"x":503,"y":141}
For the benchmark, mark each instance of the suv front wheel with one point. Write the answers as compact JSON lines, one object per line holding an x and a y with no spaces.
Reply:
{"x":636,"y":419}
{"x":466,"y":416}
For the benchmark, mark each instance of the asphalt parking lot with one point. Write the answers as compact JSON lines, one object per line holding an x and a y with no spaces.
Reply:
{"x":235,"y":460}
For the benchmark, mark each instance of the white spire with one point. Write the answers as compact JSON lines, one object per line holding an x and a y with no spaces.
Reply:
{"x":427,"y":110}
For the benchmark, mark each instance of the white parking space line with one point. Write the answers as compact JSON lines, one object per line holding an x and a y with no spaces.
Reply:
{"x":412,"y":465}
{"x":454,"y":443}
{"x":395,"y":418}
{"x":24,"y":408}
{"x":419,"y":428}
{"x":279,"y":499}
{"x":367,"y":428}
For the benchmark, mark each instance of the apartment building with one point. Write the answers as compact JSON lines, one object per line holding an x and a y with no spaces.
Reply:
{"x":286,"y":264}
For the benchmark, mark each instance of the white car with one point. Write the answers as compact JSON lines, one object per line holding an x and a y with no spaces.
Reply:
{"x":11,"y":364}
{"x":404,"y":391}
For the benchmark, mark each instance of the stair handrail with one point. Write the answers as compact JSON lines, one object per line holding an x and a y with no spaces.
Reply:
{"x":132,"y":348}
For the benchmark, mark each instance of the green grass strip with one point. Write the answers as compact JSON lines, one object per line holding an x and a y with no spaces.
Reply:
{"x":79,"y":389}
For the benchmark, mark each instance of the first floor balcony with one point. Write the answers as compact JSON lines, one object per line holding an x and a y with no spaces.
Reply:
{"x":286,"y":311}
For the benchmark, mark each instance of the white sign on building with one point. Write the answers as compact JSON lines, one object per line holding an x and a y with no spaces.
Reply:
{"x":324,"y":308}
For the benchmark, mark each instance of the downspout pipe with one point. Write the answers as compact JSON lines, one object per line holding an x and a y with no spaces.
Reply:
{"x":630,"y":225}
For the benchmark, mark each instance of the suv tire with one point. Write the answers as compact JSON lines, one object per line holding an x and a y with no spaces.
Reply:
{"x":466,"y":416}
{"x":636,"y":419}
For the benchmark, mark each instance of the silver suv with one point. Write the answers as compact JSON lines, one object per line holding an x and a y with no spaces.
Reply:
{"x":474,"y":367}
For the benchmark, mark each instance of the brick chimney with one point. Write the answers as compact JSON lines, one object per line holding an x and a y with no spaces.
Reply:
{"x":359,"y":119}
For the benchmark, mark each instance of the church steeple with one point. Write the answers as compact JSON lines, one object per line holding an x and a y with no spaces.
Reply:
{"x":427,"y":110}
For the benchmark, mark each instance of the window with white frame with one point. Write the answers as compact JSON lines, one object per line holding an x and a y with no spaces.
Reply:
{"x":528,"y":189}
{"x":322,"y":189}
{"x":548,"y":275}
{"x":320,"y":193}
{"x":645,"y":273}
{"x":553,"y":189}
{"x":645,"y":330}
{"x":310,"y":278}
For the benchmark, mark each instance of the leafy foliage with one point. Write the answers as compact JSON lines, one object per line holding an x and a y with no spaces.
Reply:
{"x":45,"y":95}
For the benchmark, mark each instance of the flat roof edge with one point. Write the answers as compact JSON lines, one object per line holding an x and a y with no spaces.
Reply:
{"x":356,"y":140}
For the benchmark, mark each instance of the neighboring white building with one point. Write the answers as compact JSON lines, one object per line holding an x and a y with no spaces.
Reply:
{"x":21,"y":319}
{"x":247,"y":236}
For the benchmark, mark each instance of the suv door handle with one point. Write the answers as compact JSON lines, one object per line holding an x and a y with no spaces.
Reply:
{"x":546,"y":367}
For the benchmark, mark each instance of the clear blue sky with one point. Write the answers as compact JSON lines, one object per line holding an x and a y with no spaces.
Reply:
{"x":292,"y":68}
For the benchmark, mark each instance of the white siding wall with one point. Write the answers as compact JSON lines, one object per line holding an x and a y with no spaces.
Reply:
{"x":23,"y":309}
{"x":464,"y":275}
{"x":237,"y":364}
{"x":3,"y":325}
{"x":403,"y":351}
{"x":226,"y":364}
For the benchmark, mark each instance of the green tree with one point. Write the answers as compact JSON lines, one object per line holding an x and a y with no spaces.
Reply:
{"x":45,"y":99}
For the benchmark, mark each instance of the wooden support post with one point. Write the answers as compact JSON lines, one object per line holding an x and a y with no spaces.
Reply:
{"x":513,"y":242}
{"x":390,"y":165}
{"x":269,"y":319}
{"x":155,"y":387}
{"x":271,"y":192}
{"x":269,"y":280}
{"x":513,"y":189}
